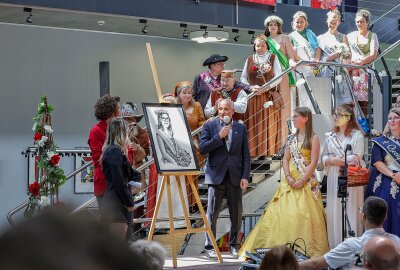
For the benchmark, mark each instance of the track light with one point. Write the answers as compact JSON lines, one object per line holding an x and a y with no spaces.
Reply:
{"x":236,"y":38}
{"x":185,"y":34}
{"x":203,"y":27}
{"x":144,"y":29}
{"x":29,"y":19}
{"x":252,"y":37}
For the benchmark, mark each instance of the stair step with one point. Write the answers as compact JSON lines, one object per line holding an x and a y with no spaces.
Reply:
{"x":255,"y":172}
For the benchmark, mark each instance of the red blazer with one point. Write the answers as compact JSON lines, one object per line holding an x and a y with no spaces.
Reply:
{"x":97,"y":137}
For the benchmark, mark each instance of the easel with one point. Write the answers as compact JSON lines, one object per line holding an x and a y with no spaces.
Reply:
{"x":166,"y":181}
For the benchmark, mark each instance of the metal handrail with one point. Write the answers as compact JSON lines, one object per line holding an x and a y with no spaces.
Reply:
{"x":26,"y":203}
{"x":388,"y":49}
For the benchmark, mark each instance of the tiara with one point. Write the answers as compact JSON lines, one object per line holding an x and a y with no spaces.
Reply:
{"x":160,"y":111}
{"x":273,"y":18}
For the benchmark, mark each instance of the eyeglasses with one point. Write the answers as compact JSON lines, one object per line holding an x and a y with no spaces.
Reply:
{"x":338,"y":115}
{"x":394,"y":118}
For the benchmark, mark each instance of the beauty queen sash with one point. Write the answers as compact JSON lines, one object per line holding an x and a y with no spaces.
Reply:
{"x":210,"y":81}
{"x":390,"y":146}
{"x":301,"y":164}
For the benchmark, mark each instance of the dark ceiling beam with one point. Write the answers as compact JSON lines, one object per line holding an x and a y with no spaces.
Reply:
{"x":211,"y":12}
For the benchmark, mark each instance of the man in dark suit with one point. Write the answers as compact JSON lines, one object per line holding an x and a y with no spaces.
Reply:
{"x":228,"y":169}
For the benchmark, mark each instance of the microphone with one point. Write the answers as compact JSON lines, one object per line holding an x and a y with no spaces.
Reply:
{"x":348,"y":147}
{"x":227,"y":120}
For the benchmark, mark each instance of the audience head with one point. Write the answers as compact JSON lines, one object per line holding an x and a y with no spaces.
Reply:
{"x":302,"y":118}
{"x":228,"y":79}
{"x":225,"y":108}
{"x":261,"y":45}
{"x":381,"y":253}
{"x":58,"y":241}
{"x":300,"y":21}
{"x":333,"y":19}
{"x":279,"y":258}
{"x":344,"y":116}
{"x":106,"y":107}
{"x":273,"y":24}
{"x":363,"y":19}
{"x":393,"y":122}
{"x":184,"y":93}
{"x":151,"y":252}
{"x":374,"y":212}
{"x":117,"y":133}
{"x":397,"y":104}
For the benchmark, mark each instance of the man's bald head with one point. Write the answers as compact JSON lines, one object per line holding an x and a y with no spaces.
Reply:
{"x":381,"y":253}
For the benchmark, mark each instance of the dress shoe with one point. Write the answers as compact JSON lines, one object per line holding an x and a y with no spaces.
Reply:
{"x":234,"y":253}
{"x":210,"y":253}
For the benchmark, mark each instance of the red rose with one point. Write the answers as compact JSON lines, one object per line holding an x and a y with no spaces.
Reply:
{"x":54,"y":160}
{"x":37,"y":136}
{"x":34,"y":189}
{"x":254,"y":68}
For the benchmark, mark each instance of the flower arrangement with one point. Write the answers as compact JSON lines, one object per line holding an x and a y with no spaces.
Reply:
{"x":51,"y":176}
{"x":343,"y":49}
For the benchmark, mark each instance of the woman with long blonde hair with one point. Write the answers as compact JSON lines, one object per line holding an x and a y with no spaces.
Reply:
{"x":296,"y":208}
{"x":117,"y":203}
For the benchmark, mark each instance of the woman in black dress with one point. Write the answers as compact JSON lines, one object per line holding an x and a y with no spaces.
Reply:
{"x":118,"y":201}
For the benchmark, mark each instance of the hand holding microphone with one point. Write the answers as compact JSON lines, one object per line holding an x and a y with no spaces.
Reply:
{"x":224,"y":132}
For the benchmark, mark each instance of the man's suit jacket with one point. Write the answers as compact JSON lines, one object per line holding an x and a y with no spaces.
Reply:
{"x":236,"y":160}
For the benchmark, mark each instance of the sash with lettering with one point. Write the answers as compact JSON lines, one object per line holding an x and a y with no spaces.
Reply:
{"x":379,"y":182}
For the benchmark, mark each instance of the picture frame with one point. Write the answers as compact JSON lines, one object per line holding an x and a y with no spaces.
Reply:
{"x":171,"y":139}
{"x":83,"y":181}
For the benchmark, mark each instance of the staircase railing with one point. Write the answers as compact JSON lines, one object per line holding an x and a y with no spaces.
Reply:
{"x":193,"y":133}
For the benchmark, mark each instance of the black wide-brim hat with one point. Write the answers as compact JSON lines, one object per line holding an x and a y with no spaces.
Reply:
{"x":215,"y":58}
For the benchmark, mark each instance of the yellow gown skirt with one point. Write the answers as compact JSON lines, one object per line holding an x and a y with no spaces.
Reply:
{"x":291,"y":214}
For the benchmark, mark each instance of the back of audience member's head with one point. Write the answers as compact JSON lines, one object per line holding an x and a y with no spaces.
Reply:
{"x":381,"y":253}
{"x":150,"y":251}
{"x":279,"y":258}
{"x":375,"y":210}
{"x":56,"y":241}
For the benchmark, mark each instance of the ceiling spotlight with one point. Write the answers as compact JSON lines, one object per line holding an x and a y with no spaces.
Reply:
{"x":185,"y":33}
{"x":29,"y":19}
{"x":236,"y":38}
{"x":203,"y":27}
{"x":252,"y":37}
{"x":144,"y":29}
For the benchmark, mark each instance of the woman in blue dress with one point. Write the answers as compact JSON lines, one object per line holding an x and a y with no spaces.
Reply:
{"x":385,"y":177}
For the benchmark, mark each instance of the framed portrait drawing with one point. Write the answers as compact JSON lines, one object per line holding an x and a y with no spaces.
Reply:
{"x":170,"y":137}
{"x":83,"y":182}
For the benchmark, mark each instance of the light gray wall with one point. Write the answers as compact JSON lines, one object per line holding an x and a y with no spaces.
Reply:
{"x":64,"y":65}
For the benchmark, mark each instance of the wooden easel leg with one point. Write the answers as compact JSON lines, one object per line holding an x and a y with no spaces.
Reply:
{"x":154,"y":220}
{"x":171,"y":222}
{"x":184,"y":208}
{"x":203,"y":215}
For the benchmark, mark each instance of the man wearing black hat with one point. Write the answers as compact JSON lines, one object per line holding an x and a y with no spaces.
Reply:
{"x":210,"y":80}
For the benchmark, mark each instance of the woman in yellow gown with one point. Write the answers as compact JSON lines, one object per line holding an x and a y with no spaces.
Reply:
{"x":296,"y":209}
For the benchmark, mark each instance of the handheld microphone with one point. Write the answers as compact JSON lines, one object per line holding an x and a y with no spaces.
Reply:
{"x":227,"y":120}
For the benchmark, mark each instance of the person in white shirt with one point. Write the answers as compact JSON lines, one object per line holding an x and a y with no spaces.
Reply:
{"x":345,"y":254}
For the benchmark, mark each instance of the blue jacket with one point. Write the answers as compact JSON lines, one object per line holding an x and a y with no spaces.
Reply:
{"x":236,"y":160}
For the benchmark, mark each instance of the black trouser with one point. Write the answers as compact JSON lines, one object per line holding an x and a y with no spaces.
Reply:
{"x":234,"y":197}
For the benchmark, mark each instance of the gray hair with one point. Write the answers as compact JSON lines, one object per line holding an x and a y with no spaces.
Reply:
{"x":152,"y":252}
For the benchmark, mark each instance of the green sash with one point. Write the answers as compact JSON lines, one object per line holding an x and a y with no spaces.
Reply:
{"x":283,"y":60}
